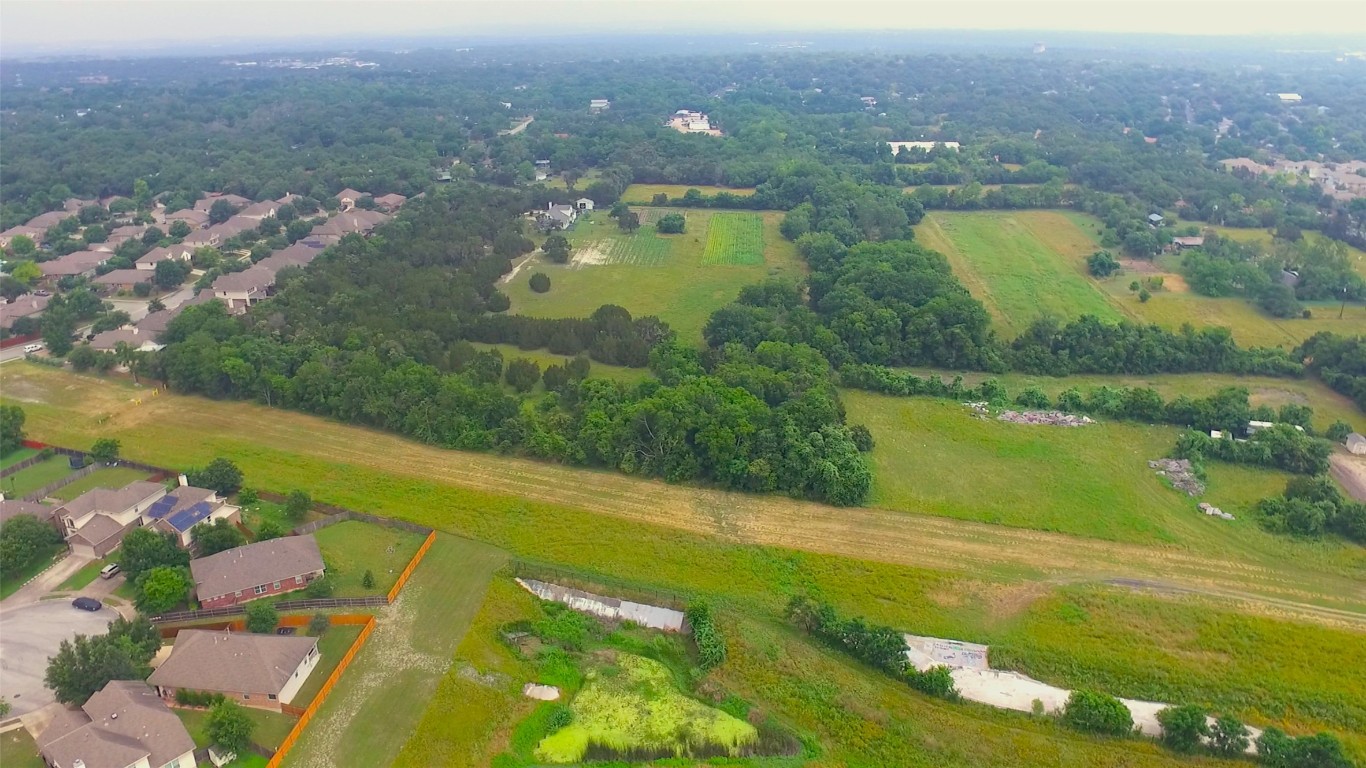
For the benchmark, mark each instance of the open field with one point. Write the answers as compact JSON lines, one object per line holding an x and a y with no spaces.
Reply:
{"x":332,"y":646}
{"x":677,"y":284}
{"x":105,"y":477}
{"x":1004,"y":262}
{"x":544,"y":511}
{"x":40,"y":475}
{"x":352,"y":547}
{"x":1329,"y":406}
{"x":402,"y":662}
{"x":270,"y":729}
{"x":644,"y":193}
{"x":545,"y":359}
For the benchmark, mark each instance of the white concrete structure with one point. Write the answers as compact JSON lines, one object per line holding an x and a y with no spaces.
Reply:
{"x":651,"y":616}
{"x":897,"y":146}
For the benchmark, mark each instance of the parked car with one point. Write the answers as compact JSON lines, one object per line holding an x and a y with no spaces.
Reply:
{"x":87,"y":604}
{"x":286,"y":630}
{"x":109,"y":571}
{"x":31,"y":348}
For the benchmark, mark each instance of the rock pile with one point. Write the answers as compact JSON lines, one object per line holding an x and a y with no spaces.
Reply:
{"x":1181,"y":475}
{"x":1214,"y":511}
{"x":1047,"y":418}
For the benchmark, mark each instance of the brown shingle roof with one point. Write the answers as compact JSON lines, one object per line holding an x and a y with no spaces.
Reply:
{"x":248,"y":566}
{"x":207,"y":203}
{"x":74,"y":263}
{"x":253,"y":278}
{"x":232,"y":662}
{"x":121,"y":724}
{"x":51,"y":218}
{"x":12,"y":507}
{"x":190,"y":216}
{"x":124,"y":277}
{"x":115,"y":501}
{"x":23,"y":306}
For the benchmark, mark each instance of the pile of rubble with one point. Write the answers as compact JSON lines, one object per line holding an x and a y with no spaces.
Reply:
{"x":1047,"y":418}
{"x":1214,"y":511}
{"x":1181,"y":475}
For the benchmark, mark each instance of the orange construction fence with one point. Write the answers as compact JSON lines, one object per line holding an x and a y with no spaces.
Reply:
{"x":318,"y":700}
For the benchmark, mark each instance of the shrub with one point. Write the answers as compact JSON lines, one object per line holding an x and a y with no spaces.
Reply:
{"x":261,"y":617}
{"x":711,"y":645}
{"x":671,"y":224}
{"x":1338,"y":431}
{"x":105,"y":450}
{"x":229,"y":727}
{"x":1183,"y":727}
{"x":935,"y":681}
{"x":1228,"y":737}
{"x":297,"y":505}
{"x":1102,"y":264}
{"x":318,"y":625}
{"x":1033,"y":397}
{"x":319,"y":588}
{"x":863,"y":439}
{"x":247,"y":496}
{"x":561,"y":716}
{"x":187,"y":698}
{"x":1095,"y":712}
{"x":368,"y":580}
{"x":540,"y":282}
{"x":269,"y":530}
{"x":564,"y":627}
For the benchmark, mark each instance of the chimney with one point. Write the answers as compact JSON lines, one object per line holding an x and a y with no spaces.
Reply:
{"x":114,"y":716}
{"x":184,"y":481}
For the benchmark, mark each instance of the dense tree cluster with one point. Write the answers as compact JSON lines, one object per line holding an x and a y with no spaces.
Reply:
{"x":1280,"y":446}
{"x":1340,"y":361}
{"x":23,"y":540}
{"x":85,"y":664}
{"x":1313,"y":506}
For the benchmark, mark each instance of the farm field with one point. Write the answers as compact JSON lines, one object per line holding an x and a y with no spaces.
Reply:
{"x":545,"y":359}
{"x":352,"y":547}
{"x":105,"y":477}
{"x":40,"y":475}
{"x":1018,"y":275}
{"x":652,"y":274}
{"x":397,"y":670}
{"x":1329,"y":406}
{"x":736,"y":239}
{"x":640,"y":194}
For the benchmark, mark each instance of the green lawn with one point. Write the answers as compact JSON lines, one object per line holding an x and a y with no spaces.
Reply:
{"x":332,"y":646}
{"x":260,"y":511}
{"x":87,"y":573}
{"x":351,"y":547}
{"x":39,"y":563}
{"x":105,"y":477}
{"x":400,"y":666}
{"x":545,"y":359}
{"x":270,"y":729}
{"x":1006,"y":262}
{"x":18,"y":750}
{"x":15,"y":456}
{"x":40,"y":475}
{"x":645,"y":193}
{"x":676,"y":284}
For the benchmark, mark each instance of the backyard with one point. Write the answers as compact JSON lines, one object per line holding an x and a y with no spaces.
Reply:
{"x":40,"y":475}
{"x":104,"y":477}
{"x":269,"y":728}
{"x":18,"y":750}
{"x":352,"y":547}
{"x":332,"y":646}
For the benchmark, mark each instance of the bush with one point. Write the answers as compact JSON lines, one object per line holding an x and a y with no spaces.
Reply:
{"x":935,"y":681}
{"x":368,"y":579}
{"x":187,"y":698}
{"x":1338,"y":431}
{"x":221,"y":475}
{"x":261,"y":617}
{"x":1228,"y":737}
{"x":247,"y":497}
{"x":863,"y":439}
{"x":229,"y":727}
{"x":671,"y":224}
{"x":318,"y":625}
{"x":297,"y":505}
{"x":319,"y":588}
{"x":1094,"y":712}
{"x":565,"y":627}
{"x":1183,"y":727}
{"x":1033,"y":397}
{"x":711,"y":645}
{"x":1102,"y":264}
{"x":270,"y":530}
{"x":561,"y":716}
{"x":540,"y":282}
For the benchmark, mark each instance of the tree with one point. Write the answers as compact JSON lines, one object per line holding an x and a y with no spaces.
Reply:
{"x":270,"y":530}
{"x":161,"y":589}
{"x":556,"y":248}
{"x":671,"y":224}
{"x":297,"y":504}
{"x":11,"y":429}
{"x":22,"y":246}
{"x":1183,"y":728}
{"x":1228,"y":737}
{"x":522,"y":374}
{"x":84,"y":665}
{"x":95,"y":233}
{"x":142,"y":193}
{"x":219,"y":536}
{"x":144,"y":549}
{"x":170,"y":273}
{"x":1102,"y":264}
{"x":1338,"y":431}
{"x":23,"y":538}
{"x":26,"y":272}
{"x":83,"y":358}
{"x":180,"y":229}
{"x":221,"y":211}
{"x":540,"y":282}
{"x":105,"y":450}
{"x":1144,"y":295}
{"x":1095,"y":712}
{"x":659,"y":198}
{"x":229,"y":727}
{"x":319,"y":624}
{"x":111,"y":320}
{"x":367,"y":579}
{"x":155,"y":305}
{"x":629,"y":221}
{"x":261,"y":617}
{"x":152,"y":236}
{"x":58,"y":328}
{"x":221,"y":475}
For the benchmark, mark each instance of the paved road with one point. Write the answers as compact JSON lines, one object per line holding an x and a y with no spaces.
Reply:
{"x":29,"y":635}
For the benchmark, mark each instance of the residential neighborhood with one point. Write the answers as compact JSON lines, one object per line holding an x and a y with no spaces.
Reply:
{"x":262,"y":671}
{"x":124,"y":725}
{"x":253,"y":571}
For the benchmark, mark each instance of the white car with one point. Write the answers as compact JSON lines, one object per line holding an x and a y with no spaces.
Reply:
{"x":31,"y":348}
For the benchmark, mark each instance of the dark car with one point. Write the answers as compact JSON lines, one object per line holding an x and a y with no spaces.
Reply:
{"x":87,"y":604}
{"x":286,"y":630}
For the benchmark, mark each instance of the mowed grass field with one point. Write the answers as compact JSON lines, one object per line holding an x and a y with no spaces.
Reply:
{"x":640,"y":194}
{"x":1022,"y":264}
{"x":1006,"y":263}
{"x":921,"y":573}
{"x":680,"y":278}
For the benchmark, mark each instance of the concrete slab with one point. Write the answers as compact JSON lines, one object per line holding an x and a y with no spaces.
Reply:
{"x":29,"y":635}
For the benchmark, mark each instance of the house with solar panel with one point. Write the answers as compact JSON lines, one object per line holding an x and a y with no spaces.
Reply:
{"x":95,"y":522}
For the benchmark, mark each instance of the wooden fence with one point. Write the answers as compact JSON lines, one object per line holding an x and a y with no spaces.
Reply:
{"x":307,"y":716}
{"x":417,"y":558}
{"x":42,"y":493}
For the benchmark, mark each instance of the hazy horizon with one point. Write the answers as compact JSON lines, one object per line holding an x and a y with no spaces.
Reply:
{"x":74,"y":27}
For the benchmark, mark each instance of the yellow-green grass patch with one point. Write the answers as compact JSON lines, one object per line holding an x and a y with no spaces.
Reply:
{"x":681,"y":289}
{"x":352,"y":547}
{"x":18,"y":750}
{"x":36,"y":477}
{"x":332,"y":646}
{"x":735,"y":238}
{"x":1016,"y":273}
{"x":269,"y":729}
{"x":15,"y":456}
{"x":645,"y":193}
{"x":104,"y":477}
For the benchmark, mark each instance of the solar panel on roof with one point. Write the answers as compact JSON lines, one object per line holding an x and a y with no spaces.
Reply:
{"x":161,"y":507}
{"x":185,"y":519}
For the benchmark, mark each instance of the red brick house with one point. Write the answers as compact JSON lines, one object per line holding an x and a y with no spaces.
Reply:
{"x":256,"y":570}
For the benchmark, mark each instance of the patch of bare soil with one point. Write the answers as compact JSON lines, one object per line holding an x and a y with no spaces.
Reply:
{"x":590,"y":255}
{"x":1350,"y":471}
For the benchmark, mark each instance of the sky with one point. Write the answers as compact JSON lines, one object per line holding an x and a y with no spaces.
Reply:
{"x":93,"y":26}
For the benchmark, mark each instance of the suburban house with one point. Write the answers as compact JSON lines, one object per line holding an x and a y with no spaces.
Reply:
{"x":12,"y":507}
{"x":557,"y":217}
{"x":108,"y":341}
{"x":75,"y":204}
{"x":240,"y":290}
{"x":1356,"y":443}
{"x":1183,"y":243}
{"x":184,"y":508}
{"x":1290,"y":98}
{"x":81,"y":263}
{"x":232,"y":228}
{"x":152,"y":258}
{"x":390,"y":202}
{"x":197,"y":219}
{"x":262,"y":671}
{"x":206,"y":203}
{"x":95,"y":522}
{"x":32,"y":233}
{"x":26,"y":305}
{"x":202,"y":238}
{"x":122,"y":279}
{"x":155,"y":323}
{"x":347,"y":198}
{"x":44,"y":221}
{"x":1155,"y":219}
{"x":354,"y":221}
{"x":245,"y":573}
{"x":583,"y":204}
{"x":259,"y":211}
{"x":124,"y":725}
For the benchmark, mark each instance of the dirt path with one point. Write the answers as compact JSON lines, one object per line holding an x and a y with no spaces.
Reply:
{"x":82,"y":408}
{"x":1350,"y":472}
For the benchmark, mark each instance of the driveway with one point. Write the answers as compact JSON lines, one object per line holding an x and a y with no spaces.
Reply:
{"x":45,"y":582}
{"x":29,"y":635}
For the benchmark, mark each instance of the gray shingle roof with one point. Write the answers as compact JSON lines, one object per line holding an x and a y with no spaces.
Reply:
{"x":108,"y":500}
{"x":232,"y":662}
{"x":254,"y":564}
{"x":121,"y":724}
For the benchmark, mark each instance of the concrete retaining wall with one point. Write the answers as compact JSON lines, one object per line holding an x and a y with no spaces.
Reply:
{"x":608,"y":607}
